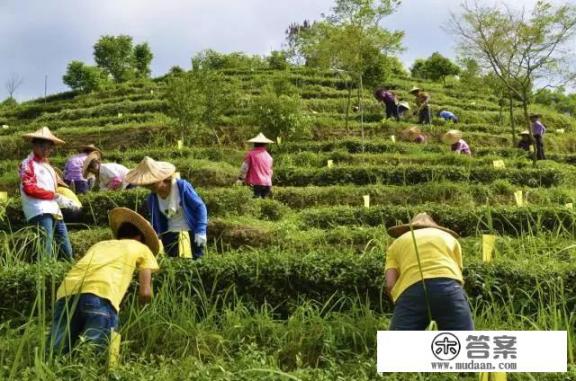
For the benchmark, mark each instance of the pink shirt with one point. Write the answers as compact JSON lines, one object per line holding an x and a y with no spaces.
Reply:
{"x":259,"y":164}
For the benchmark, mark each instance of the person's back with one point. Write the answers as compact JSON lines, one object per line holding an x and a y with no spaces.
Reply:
{"x":260,"y":167}
{"x":107,"y":269}
{"x":440,"y":257}
{"x":112,"y":176}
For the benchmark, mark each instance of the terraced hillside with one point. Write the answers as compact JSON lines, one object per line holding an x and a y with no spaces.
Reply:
{"x":293,"y":286}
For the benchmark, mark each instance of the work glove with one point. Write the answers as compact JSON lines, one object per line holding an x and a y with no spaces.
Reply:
{"x":66,"y":203}
{"x":200,"y":239}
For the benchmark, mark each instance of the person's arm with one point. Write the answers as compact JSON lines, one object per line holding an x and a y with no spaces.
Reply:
{"x":145,"y":286}
{"x":244,"y":170}
{"x":198,"y":209}
{"x":391,"y":276}
{"x":30,"y":183}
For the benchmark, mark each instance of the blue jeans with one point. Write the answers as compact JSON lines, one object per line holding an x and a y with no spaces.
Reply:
{"x":448,"y":304}
{"x":170,"y":242}
{"x":83,"y":314}
{"x":53,"y":229}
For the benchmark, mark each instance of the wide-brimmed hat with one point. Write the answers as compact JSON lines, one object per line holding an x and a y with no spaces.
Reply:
{"x":404,"y":104}
{"x":414,"y":89}
{"x":525,"y":132}
{"x":420,"y":221}
{"x":452,"y":136}
{"x":90,"y":148}
{"x":412,"y":131}
{"x":260,"y":138}
{"x":89,"y":159}
{"x":118,"y":216}
{"x":150,"y":171}
{"x":43,"y":133}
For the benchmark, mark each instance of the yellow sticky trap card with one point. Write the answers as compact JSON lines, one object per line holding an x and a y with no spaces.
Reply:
{"x":3,"y":196}
{"x":184,"y":248}
{"x":519,"y":198}
{"x":366,"y":200}
{"x":120,"y":115}
{"x":330,"y":163}
{"x":278,"y":140}
{"x":560,"y":130}
{"x":499,"y":164}
{"x":488,"y":241}
{"x":114,"y":350}
{"x":393,"y":138}
{"x":180,"y":144}
{"x":531,"y":148}
{"x":569,"y":205}
{"x":484,"y":376}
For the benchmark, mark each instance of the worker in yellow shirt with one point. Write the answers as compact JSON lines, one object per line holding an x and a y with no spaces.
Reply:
{"x":424,"y":277}
{"x":88,"y":300}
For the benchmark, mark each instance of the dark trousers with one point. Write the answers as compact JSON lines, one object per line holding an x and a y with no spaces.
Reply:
{"x":539,"y":147}
{"x":424,"y":116}
{"x":84,"y":314}
{"x":391,"y":110}
{"x":448,"y":304}
{"x":171,"y":245}
{"x":261,"y":191}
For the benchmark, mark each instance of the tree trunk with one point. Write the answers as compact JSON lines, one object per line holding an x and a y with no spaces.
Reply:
{"x":527,"y":119}
{"x":348,"y":105}
{"x":512,"y":121}
{"x":361,"y":110}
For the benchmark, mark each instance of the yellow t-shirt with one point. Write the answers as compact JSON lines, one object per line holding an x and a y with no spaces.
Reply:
{"x":106,"y":270}
{"x":440,"y":256}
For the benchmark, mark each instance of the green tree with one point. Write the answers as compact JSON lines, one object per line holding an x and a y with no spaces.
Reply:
{"x":142,"y":58}
{"x":198,"y":99}
{"x":212,"y":60}
{"x":519,"y":48}
{"x":81,"y":77}
{"x":115,"y":55}
{"x":436,"y":67}
{"x":277,"y":60}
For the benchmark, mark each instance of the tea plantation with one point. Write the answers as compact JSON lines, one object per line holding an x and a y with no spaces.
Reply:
{"x":292,"y":287}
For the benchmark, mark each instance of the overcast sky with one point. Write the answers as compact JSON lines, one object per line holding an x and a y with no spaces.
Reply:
{"x":40,"y":37}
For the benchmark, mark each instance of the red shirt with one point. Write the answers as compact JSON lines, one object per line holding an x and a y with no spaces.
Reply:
{"x":259,"y":164}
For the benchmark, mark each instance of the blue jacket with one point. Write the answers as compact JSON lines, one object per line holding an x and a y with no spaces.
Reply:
{"x":195,"y":212}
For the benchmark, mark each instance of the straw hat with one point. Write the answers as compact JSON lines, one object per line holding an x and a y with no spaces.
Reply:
{"x":452,"y":136}
{"x":404,"y":104}
{"x":150,"y":171}
{"x":412,"y":131}
{"x":89,"y":159}
{"x":118,"y":216}
{"x":525,"y":132}
{"x":420,"y":221}
{"x":260,"y":138}
{"x":414,"y":89}
{"x":45,"y":134}
{"x":90,"y":148}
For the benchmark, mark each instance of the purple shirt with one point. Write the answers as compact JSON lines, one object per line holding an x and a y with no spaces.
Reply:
{"x":461,"y":147}
{"x":538,"y":128}
{"x":73,"y":167}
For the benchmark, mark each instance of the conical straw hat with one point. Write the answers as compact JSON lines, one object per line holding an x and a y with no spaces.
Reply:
{"x":60,"y":177}
{"x":420,"y":221}
{"x":452,"y":136}
{"x":94,"y":155}
{"x":150,"y":171}
{"x":45,"y":134}
{"x":404,"y":104}
{"x":412,"y":131}
{"x":414,"y":89}
{"x":118,"y":216}
{"x":260,"y":138}
{"x":90,"y":148}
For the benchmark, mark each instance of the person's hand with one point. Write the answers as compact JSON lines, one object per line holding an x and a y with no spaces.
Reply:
{"x":238,"y":182}
{"x":65,"y":203}
{"x":200,"y":239}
